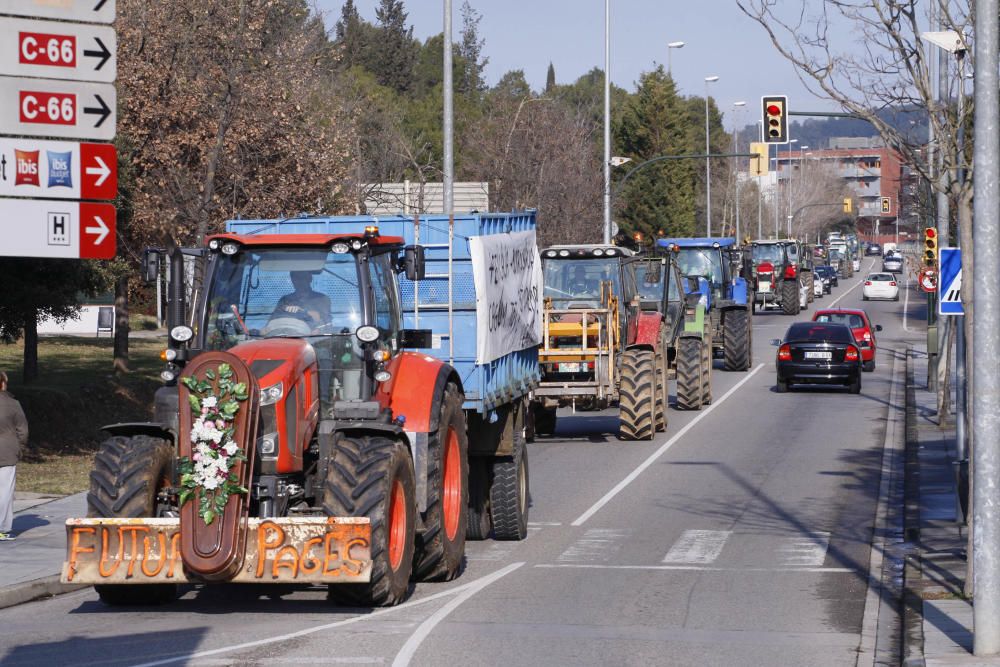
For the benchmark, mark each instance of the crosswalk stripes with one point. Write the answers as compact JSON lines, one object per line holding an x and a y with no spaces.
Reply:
{"x":698,"y":547}
{"x":808,"y":551}
{"x":598,"y":545}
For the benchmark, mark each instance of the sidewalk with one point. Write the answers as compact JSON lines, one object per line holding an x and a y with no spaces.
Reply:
{"x":942,"y":633}
{"x":29,"y":566}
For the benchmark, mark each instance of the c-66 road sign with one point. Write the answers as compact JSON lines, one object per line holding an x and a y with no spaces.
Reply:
{"x":91,"y":11}
{"x":65,"y":109}
{"x":58,"y":50}
{"x":42,"y":228}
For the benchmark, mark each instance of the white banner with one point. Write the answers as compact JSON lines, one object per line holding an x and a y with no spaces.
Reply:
{"x":508,"y":276}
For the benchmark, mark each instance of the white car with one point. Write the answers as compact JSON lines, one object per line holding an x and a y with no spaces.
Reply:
{"x":857,"y":264}
{"x":803,"y":296}
{"x":880,"y":286}
{"x":819,"y":286}
{"x":892,"y":263}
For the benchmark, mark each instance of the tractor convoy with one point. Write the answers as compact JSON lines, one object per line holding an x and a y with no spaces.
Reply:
{"x":347,"y":400}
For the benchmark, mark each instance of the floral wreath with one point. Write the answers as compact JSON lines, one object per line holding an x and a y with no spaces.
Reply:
{"x":214,"y":452}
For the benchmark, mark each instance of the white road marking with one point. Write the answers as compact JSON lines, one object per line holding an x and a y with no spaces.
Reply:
{"x":906,"y":303}
{"x":596,"y":545}
{"x":497,"y":551}
{"x":697,"y":547}
{"x":544,"y":523}
{"x":698,"y":568}
{"x":659,"y":452}
{"x":809,"y":551}
{"x":457,"y":590}
{"x":413,"y":643}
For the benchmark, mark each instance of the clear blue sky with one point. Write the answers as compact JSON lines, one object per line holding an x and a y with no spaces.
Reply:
{"x":719,"y":40}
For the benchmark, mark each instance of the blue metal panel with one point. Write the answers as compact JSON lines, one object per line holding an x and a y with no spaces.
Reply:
{"x":487,"y":386}
{"x":740,"y":291}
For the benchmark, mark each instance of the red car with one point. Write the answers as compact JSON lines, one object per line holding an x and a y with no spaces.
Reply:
{"x":861,"y":326}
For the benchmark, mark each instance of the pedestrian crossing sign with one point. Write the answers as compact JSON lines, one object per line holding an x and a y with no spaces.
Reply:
{"x":950,"y":282}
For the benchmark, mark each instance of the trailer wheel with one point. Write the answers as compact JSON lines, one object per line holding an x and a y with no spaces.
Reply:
{"x":689,"y":372}
{"x":372,"y":476}
{"x":128,"y":475}
{"x":478,"y":525}
{"x":790,"y":297}
{"x":509,"y":493}
{"x":706,"y":372}
{"x":441,"y":546}
{"x":737,"y":337}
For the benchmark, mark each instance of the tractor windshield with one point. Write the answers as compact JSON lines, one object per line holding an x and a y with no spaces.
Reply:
{"x":650,"y":279}
{"x":768,"y":252}
{"x":282,"y":292}
{"x":705,"y":262}
{"x":580,"y":279}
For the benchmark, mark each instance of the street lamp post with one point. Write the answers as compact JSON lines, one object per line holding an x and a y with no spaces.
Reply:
{"x":607,"y":121}
{"x":788,"y":187}
{"x":736,"y":170}
{"x":708,"y":164}
{"x":670,"y":47}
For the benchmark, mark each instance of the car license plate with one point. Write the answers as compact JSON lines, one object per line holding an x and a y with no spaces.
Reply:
{"x":573,"y":367}
{"x":818,"y":355}
{"x":764,"y":287}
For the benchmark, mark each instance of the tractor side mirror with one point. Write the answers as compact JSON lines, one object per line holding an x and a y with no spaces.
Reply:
{"x":151,"y":265}
{"x":414,"y":262}
{"x":415,"y":339}
{"x":692,"y":284}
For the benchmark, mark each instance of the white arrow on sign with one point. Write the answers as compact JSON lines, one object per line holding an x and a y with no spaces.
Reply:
{"x":91,"y":11}
{"x":47,"y":108}
{"x":101,"y":230}
{"x":58,"y":50}
{"x":101,"y":171}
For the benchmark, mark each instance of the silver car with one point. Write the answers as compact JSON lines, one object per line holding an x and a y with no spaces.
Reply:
{"x":892,"y":264}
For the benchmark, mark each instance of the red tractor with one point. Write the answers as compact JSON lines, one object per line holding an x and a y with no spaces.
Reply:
{"x":295,"y":440}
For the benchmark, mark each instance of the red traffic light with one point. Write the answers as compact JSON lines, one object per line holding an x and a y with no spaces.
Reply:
{"x":773,"y":109}
{"x":930,"y":233}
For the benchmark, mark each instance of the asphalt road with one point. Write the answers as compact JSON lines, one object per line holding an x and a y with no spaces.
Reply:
{"x":741,"y":536}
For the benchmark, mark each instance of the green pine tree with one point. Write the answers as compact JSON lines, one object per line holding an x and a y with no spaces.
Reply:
{"x":396,"y":53}
{"x":550,"y":79}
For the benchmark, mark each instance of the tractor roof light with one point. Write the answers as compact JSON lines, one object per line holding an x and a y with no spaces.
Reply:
{"x":356,"y":244}
{"x":550,"y":253}
{"x":230,"y":248}
{"x":564,"y":253}
{"x":610,"y":252}
{"x":214,"y":244}
{"x":371,"y":231}
{"x":598,"y":252}
{"x":340,"y":248}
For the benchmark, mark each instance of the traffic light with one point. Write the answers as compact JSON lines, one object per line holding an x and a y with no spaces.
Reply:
{"x":848,"y":207}
{"x":930,"y":246}
{"x":775,"y":120}
{"x":886,"y":205}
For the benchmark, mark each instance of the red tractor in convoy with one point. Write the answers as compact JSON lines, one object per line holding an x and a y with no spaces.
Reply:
{"x":296,"y":440}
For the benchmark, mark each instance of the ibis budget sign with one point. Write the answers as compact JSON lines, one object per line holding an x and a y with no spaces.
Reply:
{"x":57,"y":169}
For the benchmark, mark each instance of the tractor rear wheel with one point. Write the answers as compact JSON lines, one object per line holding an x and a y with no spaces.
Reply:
{"x":372,"y":476}
{"x":128,"y":475}
{"x":790,"y":297}
{"x":706,"y":370}
{"x":661,"y":388}
{"x":441,"y":547}
{"x":509,"y":493}
{"x":637,"y":395}
{"x":689,"y":372}
{"x":478,"y":526}
{"x":737,"y":337}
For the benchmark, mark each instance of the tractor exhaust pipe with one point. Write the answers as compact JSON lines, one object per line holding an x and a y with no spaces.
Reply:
{"x":176,"y":307}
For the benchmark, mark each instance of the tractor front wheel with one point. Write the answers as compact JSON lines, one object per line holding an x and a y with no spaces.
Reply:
{"x":790,"y":297}
{"x":637,"y":395}
{"x":129,"y":474}
{"x":737,"y":339}
{"x":689,"y":374}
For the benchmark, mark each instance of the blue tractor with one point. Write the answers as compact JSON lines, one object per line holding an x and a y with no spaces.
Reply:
{"x":716,"y":268}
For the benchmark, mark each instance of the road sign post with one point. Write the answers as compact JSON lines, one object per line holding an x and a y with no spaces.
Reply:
{"x":43,"y":228}
{"x":950,"y":282}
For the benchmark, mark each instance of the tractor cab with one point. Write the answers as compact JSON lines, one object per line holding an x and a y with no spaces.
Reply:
{"x":711,"y":261}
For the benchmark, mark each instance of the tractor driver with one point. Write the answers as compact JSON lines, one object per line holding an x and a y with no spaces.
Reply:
{"x":304,"y":303}
{"x":579,"y":284}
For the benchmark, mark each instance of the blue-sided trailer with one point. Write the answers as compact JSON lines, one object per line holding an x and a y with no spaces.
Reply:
{"x":496,"y":388}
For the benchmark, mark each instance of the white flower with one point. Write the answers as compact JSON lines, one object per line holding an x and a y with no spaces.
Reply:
{"x":209,"y":402}
{"x":210,"y":483}
{"x":231,"y":448}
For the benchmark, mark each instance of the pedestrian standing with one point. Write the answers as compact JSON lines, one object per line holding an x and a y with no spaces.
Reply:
{"x":13,"y":437}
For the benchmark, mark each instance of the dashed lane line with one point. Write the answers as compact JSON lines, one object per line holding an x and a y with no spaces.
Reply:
{"x":662,"y":450}
{"x":699,"y":568}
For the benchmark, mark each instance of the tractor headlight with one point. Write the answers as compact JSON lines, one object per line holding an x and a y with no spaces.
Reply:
{"x":230,"y":248}
{"x":182,"y":333}
{"x":271,"y":395}
{"x":367,"y":333}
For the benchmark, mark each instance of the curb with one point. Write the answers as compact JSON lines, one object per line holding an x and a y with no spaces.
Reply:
{"x":912,"y":602}
{"x":27,"y":591}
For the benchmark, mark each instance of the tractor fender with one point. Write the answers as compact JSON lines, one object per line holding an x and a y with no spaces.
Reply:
{"x":406,"y":392}
{"x":694,"y":325}
{"x":152,"y":429}
{"x":740,"y":291}
{"x":647,"y":334}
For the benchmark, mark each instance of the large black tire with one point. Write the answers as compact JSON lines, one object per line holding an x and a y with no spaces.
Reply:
{"x":781,"y":387}
{"x":707,"y":362}
{"x":368,"y":476}
{"x":440,"y":549}
{"x":810,"y":281}
{"x":737,"y":339}
{"x":855,"y":387}
{"x":128,"y":475}
{"x":662,"y":420}
{"x":868,"y":366}
{"x":510,"y":495}
{"x":689,"y":372}
{"x":480,"y":477}
{"x":790,"y":297}
{"x":637,"y":395}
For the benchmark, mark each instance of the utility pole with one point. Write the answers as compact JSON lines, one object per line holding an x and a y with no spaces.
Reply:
{"x":607,"y":121}
{"x":449,"y":117}
{"x":986,"y":333}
